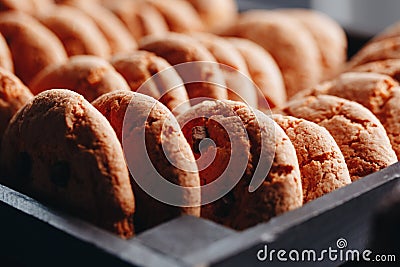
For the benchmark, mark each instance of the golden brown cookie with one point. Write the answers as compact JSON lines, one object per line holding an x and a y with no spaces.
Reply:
{"x":13,"y":96}
{"x":390,"y":32}
{"x":87,"y":75}
{"x":5,"y":55}
{"x":377,"y":92}
{"x":376,"y":51}
{"x":28,"y":6}
{"x":117,"y":35}
{"x":233,"y":67}
{"x":329,"y":36}
{"x":139,"y":17}
{"x":216,"y":15}
{"x":33,"y":46}
{"x":148,"y":120}
{"x":166,"y":84}
{"x":77,"y":32}
{"x":206,"y":78}
{"x":264,"y":71}
{"x":390,"y":67}
{"x":179,"y":15}
{"x":61,"y":150}
{"x":322,"y":165}
{"x":239,"y":136}
{"x":358,"y":133}
{"x":289,"y":43}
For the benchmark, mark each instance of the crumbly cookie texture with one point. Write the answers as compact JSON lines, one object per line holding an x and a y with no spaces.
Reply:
{"x":323,"y":168}
{"x":60,"y":149}
{"x":232,"y":125}
{"x":390,"y":67}
{"x":377,"y":92}
{"x":151,"y":75}
{"x":358,"y":133}
{"x":89,"y":76}
{"x":137,"y":117}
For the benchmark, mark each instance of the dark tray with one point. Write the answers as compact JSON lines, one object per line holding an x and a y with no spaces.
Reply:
{"x":35,"y":235}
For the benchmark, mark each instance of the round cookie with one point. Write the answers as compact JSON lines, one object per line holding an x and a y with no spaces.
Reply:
{"x":264,"y":71}
{"x":390,"y":67}
{"x":33,"y":47}
{"x":234,"y":68}
{"x":216,"y":15}
{"x":13,"y":96}
{"x":5,"y":55}
{"x":89,"y":76}
{"x":166,"y":84}
{"x":117,"y":35}
{"x":179,"y":15}
{"x":376,"y":51}
{"x":258,"y":141}
{"x":178,"y":49}
{"x":138,"y":117}
{"x":329,"y":36}
{"x":289,"y":43}
{"x":390,"y":32}
{"x":322,"y":165}
{"x":358,"y":133}
{"x":139,"y":17}
{"x":78,"y":33}
{"x":60,"y":149}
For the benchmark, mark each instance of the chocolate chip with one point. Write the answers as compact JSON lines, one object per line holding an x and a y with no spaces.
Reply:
{"x":60,"y":173}
{"x":199,"y":133}
{"x":24,"y":167}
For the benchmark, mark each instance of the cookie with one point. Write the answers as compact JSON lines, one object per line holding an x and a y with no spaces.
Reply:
{"x":289,"y":43}
{"x":61,"y":150}
{"x":329,"y":37}
{"x":358,"y":133}
{"x":233,"y":67}
{"x":139,"y":17}
{"x":13,"y":96}
{"x":244,"y":147}
{"x":166,"y":84}
{"x":376,"y":51}
{"x":136,"y":117}
{"x":89,"y":76}
{"x":33,"y":47}
{"x":117,"y":35}
{"x":27,"y":6}
{"x":5,"y":55}
{"x":322,"y":165}
{"x":390,"y":32}
{"x":216,"y":15}
{"x":390,"y":67}
{"x":264,"y":72}
{"x":205,"y":77}
{"x":179,"y":15}
{"x":78,"y":33}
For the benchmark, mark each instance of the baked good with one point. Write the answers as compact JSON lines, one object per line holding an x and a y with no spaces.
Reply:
{"x":119,"y":38}
{"x":33,"y":47}
{"x":264,"y":72}
{"x":390,"y":67}
{"x":28,"y":6}
{"x":89,"y":76}
{"x":233,"y":67}
{"x":203,"y":77}
{"x":78,"y":33}
{"x":358,"y":133}
{"x":390,"y":32}
{"x":179,"y":15}
{"x":247,"y":149}
{"x":165,"y":85}
{"x":5,"y":55}
{"x":13,"y":96}
{"x":216,"y":15}
{"x":289,"y":43}
{"x":155,"y":148}
{"x":139,"y":17}
{"x":329,"y":37}
{"x":61,"y":150}
{"x":322,"y":165}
